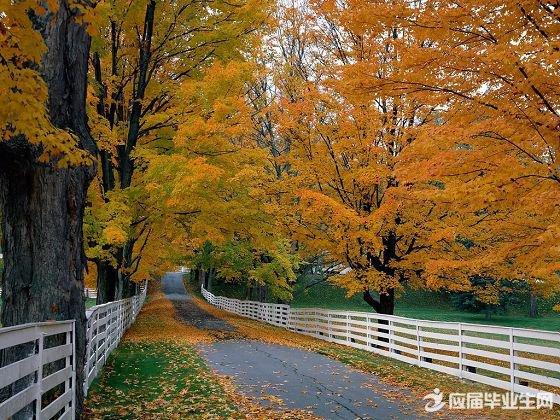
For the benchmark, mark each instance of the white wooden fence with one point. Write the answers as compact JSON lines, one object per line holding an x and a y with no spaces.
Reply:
{"x":38,"y":376}
{"x":518,"y":360}
{"x":90,"y":293}
{"x":30,"y":370}
{"x":106,"y":325}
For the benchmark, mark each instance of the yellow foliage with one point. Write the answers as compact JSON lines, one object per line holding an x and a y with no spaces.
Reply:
{"x":114,"y":235}
{"x":23,"y":92}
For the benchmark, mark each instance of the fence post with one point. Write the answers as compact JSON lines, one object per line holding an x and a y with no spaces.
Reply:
{"x":96,"y":344}
{"x":88,"y":353}
{"x":368,"y":332}
{"x":511,"y":360}
{"x":121,"y":320}
{"x":71,"y":361}
{"x":460,"y":351}
{"x":419,"y":343}
{"x":391,"y":333}
{"x":39,"y":396}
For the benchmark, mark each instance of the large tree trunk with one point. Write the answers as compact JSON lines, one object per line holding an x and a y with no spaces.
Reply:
{"x":41,"y":204}
{"x":125,"y":285}
{"x":42,"y":245}
{"x":384,"y":305}
{"x":533,"y":308}
{"x":107,"y":279}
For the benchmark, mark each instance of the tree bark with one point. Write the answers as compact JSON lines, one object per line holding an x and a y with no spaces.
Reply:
{"x":206,"y":275}
{"x":211,"y":277}
{"x":42,"y":205}
{"x":384,"y":305}
{"x":200,"y":276}
{"x":533,"y":309}
{"x":107,"y":278}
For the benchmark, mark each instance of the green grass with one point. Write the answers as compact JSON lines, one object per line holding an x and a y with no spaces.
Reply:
{"x":157,"y":380}
{"x":90,"y":302}
{"x":420,"y":305}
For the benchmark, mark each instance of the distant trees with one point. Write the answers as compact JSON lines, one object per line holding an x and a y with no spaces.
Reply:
{"x":266,"y":274}
{"x":491,"y":297}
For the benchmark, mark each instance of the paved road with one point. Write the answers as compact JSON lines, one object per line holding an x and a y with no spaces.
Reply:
{"x":301,"y":379}
{"x":174,"y":289}
{"x":305,"y":380}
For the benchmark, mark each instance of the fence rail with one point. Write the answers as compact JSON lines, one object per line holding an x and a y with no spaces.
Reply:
{"x":38,"y":373}
{"x":90,"y":293}
{"x":515,"y":359}
{"x":105,"y":327}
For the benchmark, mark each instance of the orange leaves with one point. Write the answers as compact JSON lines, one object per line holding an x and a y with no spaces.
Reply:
{"x":114,"y":235}
{"x":158,"y":322}
{"x":424,"y":141}
{"x":347,"y":135}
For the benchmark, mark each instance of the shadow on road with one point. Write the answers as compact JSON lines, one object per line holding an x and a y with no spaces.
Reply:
{"x":189,"y":312}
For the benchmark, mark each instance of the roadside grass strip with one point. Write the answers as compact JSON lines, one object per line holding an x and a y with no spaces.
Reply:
{"x":159,"y":379}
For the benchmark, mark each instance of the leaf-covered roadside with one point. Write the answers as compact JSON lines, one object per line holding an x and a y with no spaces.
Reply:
{"x":158,"y":379}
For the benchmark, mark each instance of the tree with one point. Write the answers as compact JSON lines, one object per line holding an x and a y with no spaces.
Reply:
{"x":346,"y":144}
{"x":212,"y":190}
{"x":493,"y":69}
{"x":490,"y":296}
{"x":423,"y":142}
{"x":45,"y":164}
{"x":146,"y":51}
{"x":264,"y":274}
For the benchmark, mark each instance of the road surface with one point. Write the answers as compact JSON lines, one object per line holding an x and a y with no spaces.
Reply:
{"x":296,"y":378}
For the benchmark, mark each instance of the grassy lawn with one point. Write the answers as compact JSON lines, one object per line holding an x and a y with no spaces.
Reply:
{"x":418,"y":304}
{"x":157,"y":380}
